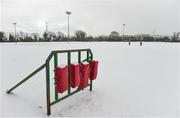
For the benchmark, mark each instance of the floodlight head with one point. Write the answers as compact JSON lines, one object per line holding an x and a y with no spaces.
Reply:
{"x":14,"y":23}
{"x":124,"y":24}
{"x":68,"y":12}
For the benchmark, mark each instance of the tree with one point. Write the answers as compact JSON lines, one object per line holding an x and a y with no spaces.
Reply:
{"x":175,"y":36}
{"x":45,"y":36}
{"x":101,"y":38}
{"x":53,"y":36}
{"x":35,"y":36}
{"x":80,"y":34}
{"x":89,"y":38}
{"x":11,"y":38}
{"x":2,"y":36}
{"x":28,"y":38}
{"x":21,"y":36}
{"x":114,"y":35}
{"x":59,"y":36}
{"x":48,"y":36}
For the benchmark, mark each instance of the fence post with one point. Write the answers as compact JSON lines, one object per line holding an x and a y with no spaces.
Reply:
{"x":55,"y":65}
{"x":69,"y":62}
{"x":79,"y":57}
{"x":79,"y":61}
{"x":88,"y":61}
{"x":48,"y":89}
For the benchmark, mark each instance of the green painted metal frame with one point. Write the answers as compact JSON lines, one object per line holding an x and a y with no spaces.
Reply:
{"x":88,"y":58}
{"x":55,"y":65}
{"x":47,"y":66}
{"x":26,"y":78}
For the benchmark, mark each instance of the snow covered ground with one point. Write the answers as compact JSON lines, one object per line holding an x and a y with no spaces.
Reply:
{"x":133,"y":81}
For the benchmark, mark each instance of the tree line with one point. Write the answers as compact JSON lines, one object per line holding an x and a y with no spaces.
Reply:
{"x":81,"y":35}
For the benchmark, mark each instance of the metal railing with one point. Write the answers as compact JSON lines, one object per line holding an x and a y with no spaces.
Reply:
{"x":46,"y":65}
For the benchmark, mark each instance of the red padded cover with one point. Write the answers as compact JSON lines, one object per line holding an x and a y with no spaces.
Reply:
{"x":84,"y":75}
{"x":61,"y":79}
{"x":93,"y":70}
{"x":75,"y":75}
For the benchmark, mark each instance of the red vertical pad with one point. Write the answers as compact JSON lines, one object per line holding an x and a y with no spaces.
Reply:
{"x":75,"y":75}
{"x":93,"y":69}
{"x":61,"y":79}
{"x":84,"y":75}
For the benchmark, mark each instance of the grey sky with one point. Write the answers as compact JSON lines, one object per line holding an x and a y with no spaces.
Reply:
{"x":96,"y":17}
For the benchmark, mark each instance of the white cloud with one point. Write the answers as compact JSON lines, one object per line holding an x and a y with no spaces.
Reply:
{"x":95,"y":17}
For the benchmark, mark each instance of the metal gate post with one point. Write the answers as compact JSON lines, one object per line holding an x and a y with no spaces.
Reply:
{"x":69,"y":62}
{"x":88,"y":61}
{"x":48,"y":89}
{"x":91,"y":81}
{"x":79,"y":61}
{"x":79,"y":57}
{"x":55,"y":64}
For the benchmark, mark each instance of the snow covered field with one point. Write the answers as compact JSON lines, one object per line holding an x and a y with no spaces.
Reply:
{"x":132,"y":81}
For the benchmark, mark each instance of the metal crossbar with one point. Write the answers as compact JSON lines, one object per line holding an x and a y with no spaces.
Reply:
{"x":47,"y":66}
{"x":27,"y":78}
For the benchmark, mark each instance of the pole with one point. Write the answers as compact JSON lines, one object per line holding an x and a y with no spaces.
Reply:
{"x":15,"y":32}
{"x":68,"y":28}
{"x":88,"y":61}
{"x":154,"y":34}
{"x":123,"y":31}
{"x":55,"y":65}
{"x":27,"y":78}
{"x":46,"y":28}
{"x":48,"y":89}
{"x":68,"y":13}
{"x":69,"y":75}
{"x":79,"y":61}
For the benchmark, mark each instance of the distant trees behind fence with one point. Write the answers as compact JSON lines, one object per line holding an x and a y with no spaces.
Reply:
{"x":81,"y":35}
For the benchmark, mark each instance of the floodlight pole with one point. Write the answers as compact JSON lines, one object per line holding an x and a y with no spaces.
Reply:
{"x":123,"y":31}
{"x":68,"y":13}
{"x":15,"y":31}
{"x":46,"y":28}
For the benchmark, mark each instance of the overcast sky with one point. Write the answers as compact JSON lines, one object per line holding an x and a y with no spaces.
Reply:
{"x":95,"y":17}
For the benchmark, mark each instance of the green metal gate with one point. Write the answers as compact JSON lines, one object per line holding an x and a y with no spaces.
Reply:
{"x":46,"y":65}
